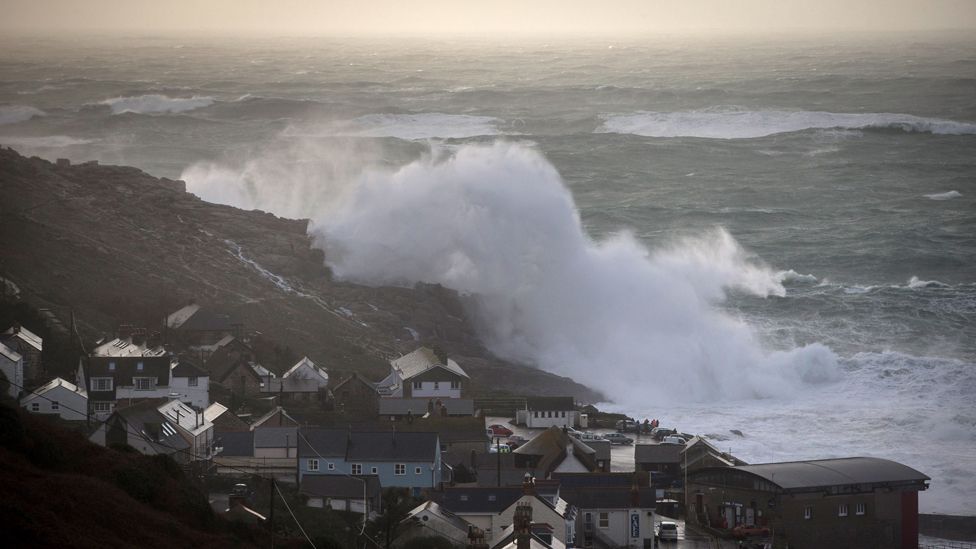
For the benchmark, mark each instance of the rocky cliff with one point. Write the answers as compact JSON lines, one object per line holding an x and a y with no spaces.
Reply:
{"x":115,"y":244}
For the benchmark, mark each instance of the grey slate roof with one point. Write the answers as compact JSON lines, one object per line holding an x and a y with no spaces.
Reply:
{"x":658,"y":453}
{"x":463,"y":501}
{"x":369,"y":446}
{"x":833,"y":472}
{"x":340,"y":486}
{"x":140,"y":416}
{"x":185,"y":368}
{"x":275,"y":437}
{"x":236,"y":443}
{"x":418,"y":406}
{"x":322,"y":442}
{"x":207,"y":321}
{"x":605,"y":497}
{"x":420,"y":361}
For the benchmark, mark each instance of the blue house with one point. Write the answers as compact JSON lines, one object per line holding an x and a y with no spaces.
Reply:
{"x":398,"y":459}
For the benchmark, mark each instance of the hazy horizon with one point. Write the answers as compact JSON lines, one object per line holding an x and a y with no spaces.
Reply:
{"x":443,"y":17}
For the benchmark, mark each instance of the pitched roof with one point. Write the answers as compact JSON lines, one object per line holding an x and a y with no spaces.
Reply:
{"x":442,"y":513}
{"x":390,"y":446}
{"x":236,"y":443}
{"x":340,"y":486}
{"x":137,"y":416}
{"x":276,"y":437}
{"x":351,"y":377}
{"x":658,"y":453}
{"x":195,"y":318}
{"x":418,"y":406}
{"x":464,"y":501}
{"x":306,"y":369}
{"x":607,"y":497}
{"x":53,"y":384}
{"x":11,"y":355}
{"x":322,"y":442}
{"x":820,"y":473}
{"x":27,"y":336}
{"x":126,"y":348}
{"x":188,"y":419}
{"x":283,"y":419}
{"x":185,"y":368}
{"x":176,"y":319}
{"x":420,"y":361}
{"x":214,"y":411}
{"x":552,"y":440}
{"x":550,"y":403}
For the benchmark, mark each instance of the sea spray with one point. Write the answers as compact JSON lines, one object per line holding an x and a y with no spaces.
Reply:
{"x":497,"y":223}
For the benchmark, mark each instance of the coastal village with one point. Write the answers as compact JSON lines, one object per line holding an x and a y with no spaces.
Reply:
{"x":421,"y":458}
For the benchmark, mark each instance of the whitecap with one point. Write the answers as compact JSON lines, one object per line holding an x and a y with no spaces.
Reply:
{"x":944,"y":196}
{"x":915,"y":283}
{"x":420,"y":126}
{"x":156,"y":104}
{"x":793,"y":276}
{"x":11,"y":114}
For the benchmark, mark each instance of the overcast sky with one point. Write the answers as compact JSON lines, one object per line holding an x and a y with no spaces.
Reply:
{"x":483,"y":16}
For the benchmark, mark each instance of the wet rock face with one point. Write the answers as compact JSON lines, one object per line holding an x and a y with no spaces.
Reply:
{"x":119,"y":245}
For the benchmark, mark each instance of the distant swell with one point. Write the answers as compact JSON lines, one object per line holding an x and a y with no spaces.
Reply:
{"x":751,"y":124}
{"x":11,"y":114}
{"x":156,"y":104}
{"x":421,"y":126}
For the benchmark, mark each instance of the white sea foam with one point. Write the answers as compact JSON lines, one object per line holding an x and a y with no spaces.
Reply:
{"x":740,"y":124}
{"x":420,"y":126}
{"x":915,"y":283}
{"x":795,"y":277}
{"x":11,"y":114}
{"x":944,"y":196}
{"x":156,"y":104}
{"x":49,"y":141}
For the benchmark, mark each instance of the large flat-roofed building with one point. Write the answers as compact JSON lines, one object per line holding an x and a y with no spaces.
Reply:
{"x":857,"y":502}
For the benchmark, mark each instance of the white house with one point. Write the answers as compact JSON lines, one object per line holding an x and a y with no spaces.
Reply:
{"x":58,"y":397}
{"x":12,"y":366}
{"x":193,"y":425}
{"x":545,"y":412}
{"x":189,"y":383}
{"x":421,"y":374}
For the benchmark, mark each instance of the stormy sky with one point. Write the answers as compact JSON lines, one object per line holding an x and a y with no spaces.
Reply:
{"x":483,"y":16}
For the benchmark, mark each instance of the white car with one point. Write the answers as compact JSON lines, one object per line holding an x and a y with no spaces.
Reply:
{"x":667,"y":530}
{"x":673,"y":439}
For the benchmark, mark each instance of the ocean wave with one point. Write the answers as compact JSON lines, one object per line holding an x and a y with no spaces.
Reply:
{"x":741,"y":124}
{"x":915,"y":283}
{"x":944,"y":196}
{"x":48,"y":141}
{"x":420,"y":126}
{"x":11,"y":114}
{"x":156,"y":104}
{"x":789,"y":276}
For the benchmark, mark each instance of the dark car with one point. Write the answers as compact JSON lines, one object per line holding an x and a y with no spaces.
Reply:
{"x":500,"y":431}
{"x":515,"y":441}
{"x":617,"y":438}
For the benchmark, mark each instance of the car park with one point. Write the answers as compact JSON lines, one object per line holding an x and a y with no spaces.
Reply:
{"x":618,"y":438}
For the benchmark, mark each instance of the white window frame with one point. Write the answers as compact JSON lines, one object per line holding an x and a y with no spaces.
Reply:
{"x":98,"y":382}
{"x":860,"y":509}
{"x":455,"y":385}
{"x":418,"y":471}
{"x":331,"y":466}
{"x":106,"y":407}
{"x":55,"y":405}
{"x":373,"y":470}
{"x":355,"y":468}
{"x":807,"y":512}
{"x":603,"y":520}
{"x":418,"y":385}
{"x":35,"y":406}
{"x":136,"y":381}
{"x":437,"y":385}
{"x":843,"y":510}
{"x":313,"y":464}
{"x":399,"y":469}
{"x":193,"y":381}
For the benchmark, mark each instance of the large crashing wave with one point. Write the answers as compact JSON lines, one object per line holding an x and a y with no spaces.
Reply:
{"x":11,"y":114}
{"x":738,"y":124}
{"x":497,"y":223}
{"x":156,"y":104}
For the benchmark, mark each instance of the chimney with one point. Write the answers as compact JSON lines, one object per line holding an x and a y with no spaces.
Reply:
{"x":523,"y":526}
{"x":138,"y":336}
{"x":125,"y":330}
{"x":528,"y":485}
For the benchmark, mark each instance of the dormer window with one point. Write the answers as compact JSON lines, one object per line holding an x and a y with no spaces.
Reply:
{"x":140,"y":366}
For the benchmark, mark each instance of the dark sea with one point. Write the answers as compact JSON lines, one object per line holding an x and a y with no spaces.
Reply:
{"x":775,"y":236}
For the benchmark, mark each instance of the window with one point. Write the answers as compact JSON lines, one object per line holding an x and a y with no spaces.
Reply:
{"x":55,"y":405}
{"x":418,"y":471}
{"x":313,"y":464}
{"x":101,"y":383}
{"x":400,"y":469}
{"x":455,"y":385}
{"x":140,"y":366}
{"x":144,"y":383}
{"x":331,"y":466}
{"x":437,"y":385}
{"x":35,"y":407}
{"x":111,"y":366}
{"x":192,"y":382}
{"x":373,"y":470}
{"x":357,"y":468}
{"x":535,"y":413}
{"x":604,"y":520}
{"x":842,"y":510}
{"x":102,"y":407}
{"x":808,"y":513}
{"x":563,"y":414}
{"x":859,"y":509}
{"x":418,"y":385}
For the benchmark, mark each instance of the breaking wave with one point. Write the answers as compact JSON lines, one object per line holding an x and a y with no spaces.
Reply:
{"x":156,"y":104}
{"x":739,"y":124}
{"x":944,"y":196}
{"x":11,"y":114}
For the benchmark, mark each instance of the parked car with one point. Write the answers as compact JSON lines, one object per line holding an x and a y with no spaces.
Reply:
{"x":658,"y":433}
{"x":515,"y":441}
{"x":667,"y":530}
{"x":618,"y":438}
{"x":499,"y":449}
{"x":673,"y":439}
{"x":743,"y":531}
{"x":588,"y":436}
{"x":498,"y":430}
{"x":626,"y":426}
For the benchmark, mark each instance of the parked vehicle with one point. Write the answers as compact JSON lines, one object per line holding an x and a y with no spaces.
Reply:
{"x":673,"y":439}
{"x":667,"y":530}
{"x":744,"y":531}
{"x":658,"y":433}
{"x":587,"y":436}
{"x":515,"y":441}
{"x":498,"y":430}
{"x":626,"y":426}
{"x":499,"y":449}
{"x":618,"y":438}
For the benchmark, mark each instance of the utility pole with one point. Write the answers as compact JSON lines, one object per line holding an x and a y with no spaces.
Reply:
{"x":271,"y":513}
{"x":498,"y":454}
